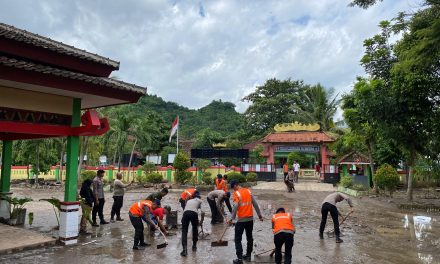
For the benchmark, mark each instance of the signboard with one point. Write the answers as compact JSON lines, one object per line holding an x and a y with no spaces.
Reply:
{"x":306,"y":149}
{"x":103,"y":159}
{"x":154,"y":159}
{"x":171,"y":158}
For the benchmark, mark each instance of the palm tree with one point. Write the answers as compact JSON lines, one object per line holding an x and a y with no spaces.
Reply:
{"x":318,"y":107}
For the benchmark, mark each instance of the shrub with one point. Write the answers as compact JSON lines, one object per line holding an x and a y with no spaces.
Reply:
{"x":346,"y":181}
{"x":181,"y":162}
{"x":207,"y":178}
{"x":142,"y":179}
{"x":359,"y":187}
{"x":149,"y":167}
{"x":387,"y":178}
{"x":251,"y":177}
{"x":154,"y":177}
{"x":183,"y":177}
{"x":88,"y":175}
{"x":236,"y":176}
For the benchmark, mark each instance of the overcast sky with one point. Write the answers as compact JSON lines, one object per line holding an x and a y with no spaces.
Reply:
{"x":193,"y":52}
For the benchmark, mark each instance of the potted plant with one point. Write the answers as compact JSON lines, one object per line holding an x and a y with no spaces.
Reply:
{"x":17,"y":211}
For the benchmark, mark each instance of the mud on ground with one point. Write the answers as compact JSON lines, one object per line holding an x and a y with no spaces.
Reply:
{"x":377,"y":232}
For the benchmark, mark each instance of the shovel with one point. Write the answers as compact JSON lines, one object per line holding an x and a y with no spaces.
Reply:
{"x":163,"y":245}
{"x":331,"y":234}
{"x":220,"y":242}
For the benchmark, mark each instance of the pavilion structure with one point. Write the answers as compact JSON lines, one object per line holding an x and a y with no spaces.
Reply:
{"x":50,"y":89}
{"x":295,"y":137}
{"x":358,"y":166}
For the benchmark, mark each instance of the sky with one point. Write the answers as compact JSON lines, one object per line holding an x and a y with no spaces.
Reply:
{"x":193,"y":52}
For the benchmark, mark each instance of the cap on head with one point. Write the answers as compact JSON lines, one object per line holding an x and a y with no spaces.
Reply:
{"x":196,"y":194}
{"x":157,"y":202}
{"x":167,"y":208}
{"x":219,"y":176}
{"x":234,"y":183}
{"x":165,"y":190}
{"x":280,"y":210}
{"x":228,"y":194}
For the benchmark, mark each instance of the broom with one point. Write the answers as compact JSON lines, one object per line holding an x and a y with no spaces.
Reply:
{"x":220,"y":242}
{"x":331,"y":234}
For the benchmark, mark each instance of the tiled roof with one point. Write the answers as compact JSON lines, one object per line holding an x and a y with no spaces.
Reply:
{"x":103,"y":81}
{"x":16,"y":34}
{"x":297,"y":137}
{"x":354,"y":158}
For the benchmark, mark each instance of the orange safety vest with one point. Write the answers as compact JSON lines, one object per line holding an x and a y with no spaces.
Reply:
{"x":282,"y":221}
{"x":243,"y":197}
{"x":188,"y":193}
{"x":221,"y":185}
{"x":285,"y":168}
{"x":137,"y":209}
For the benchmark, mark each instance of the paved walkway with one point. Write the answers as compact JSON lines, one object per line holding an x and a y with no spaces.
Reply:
{"x":301,"y":186}
{"x":16,"y":239}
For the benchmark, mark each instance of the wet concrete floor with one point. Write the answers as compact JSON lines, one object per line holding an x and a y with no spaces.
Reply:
{"x":376,"y":233}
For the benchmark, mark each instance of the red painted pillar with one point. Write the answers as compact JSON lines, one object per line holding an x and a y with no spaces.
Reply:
{"x":324,"y":158}
{"x":271,"y":157}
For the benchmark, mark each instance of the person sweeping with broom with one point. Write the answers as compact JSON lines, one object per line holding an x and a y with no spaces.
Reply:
{"x":283,"y":230}
{"x":329,"y":205}
{"x":244,"y":205}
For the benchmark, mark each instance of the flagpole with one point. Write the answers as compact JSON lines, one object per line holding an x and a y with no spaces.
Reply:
{"x":178,"y":135}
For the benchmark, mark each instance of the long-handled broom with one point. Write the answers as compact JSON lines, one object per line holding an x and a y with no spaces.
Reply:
{"x":331,"y":233}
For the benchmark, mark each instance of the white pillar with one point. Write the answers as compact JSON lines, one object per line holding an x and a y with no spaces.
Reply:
{"x":69,"y":220}
{"x":5,"y":207}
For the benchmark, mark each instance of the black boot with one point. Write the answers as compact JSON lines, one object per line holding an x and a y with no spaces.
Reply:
{"x":247,"y":257}
{"x":194,"y":247}
{"x":184,"y":252}
{"x":321,"y":236}
{"x":237,"y":261}
{"x":339,"y":240}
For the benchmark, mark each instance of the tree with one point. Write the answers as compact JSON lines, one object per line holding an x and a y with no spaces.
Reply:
{"x":318,"y":106}
{"x":206,"y":138}
{"x":271,"y":104}
{"x":404,"y":86}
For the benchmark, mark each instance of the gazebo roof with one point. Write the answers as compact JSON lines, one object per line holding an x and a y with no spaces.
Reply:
{"x":25,"y":37}
{"x":32,"y":63}
{"x":354,"y":158}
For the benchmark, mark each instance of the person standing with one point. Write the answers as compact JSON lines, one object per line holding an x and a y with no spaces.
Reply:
{"x":285,"y":169}
{"x":215,"y":200}
{"x":296,"y":168}
{"x":142,"y":210}
{"x":87,"y":194}
{"x":158,"y":195}
{"x":244,"y":204}
{"x":98,"y":193}
{"x":220,"y":183}
{"x":190,"y":215}
{"x":185,"y":196}
{"x":283,"y":230}
{"x":329,"y":205}
{"x":118,"y":198}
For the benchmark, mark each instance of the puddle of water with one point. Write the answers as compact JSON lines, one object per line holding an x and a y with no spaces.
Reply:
{"x":420,"y":227}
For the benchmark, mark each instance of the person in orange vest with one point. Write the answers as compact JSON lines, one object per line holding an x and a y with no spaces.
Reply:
{"x":142,"y":210}
{"x":220,"y":183}
{"x":283,"y":230}
{"x":243,"y":210}
{"x":186,"y":195}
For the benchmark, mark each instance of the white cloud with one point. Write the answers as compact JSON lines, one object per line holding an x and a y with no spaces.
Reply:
{"x":193,"y":52}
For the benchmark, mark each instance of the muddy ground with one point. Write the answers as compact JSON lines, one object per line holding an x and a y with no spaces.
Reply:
{"x":378,"y":232}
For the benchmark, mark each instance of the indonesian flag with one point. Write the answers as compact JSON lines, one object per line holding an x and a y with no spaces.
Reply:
{"x":174,"y":128}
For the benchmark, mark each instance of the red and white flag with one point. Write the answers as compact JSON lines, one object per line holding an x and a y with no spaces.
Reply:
{"x":174,"y":128}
